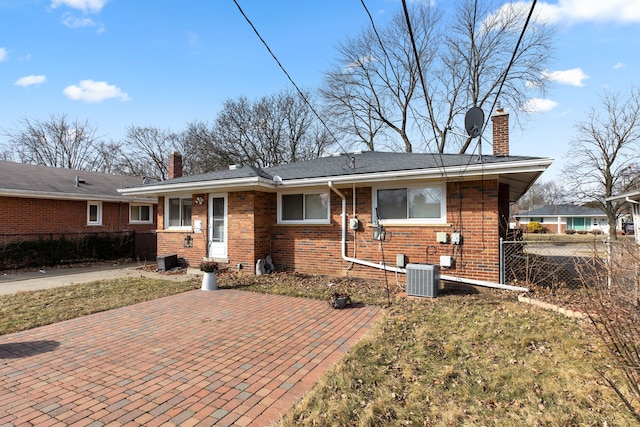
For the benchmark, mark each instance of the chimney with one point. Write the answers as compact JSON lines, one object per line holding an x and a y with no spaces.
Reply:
{"x":175,"y":165}
{"x":500,"y":132}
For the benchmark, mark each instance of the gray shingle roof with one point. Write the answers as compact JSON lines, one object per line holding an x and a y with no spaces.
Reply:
{"x":562,"y":210}
{"x":27,"y":179}
{"x":336,"y":166}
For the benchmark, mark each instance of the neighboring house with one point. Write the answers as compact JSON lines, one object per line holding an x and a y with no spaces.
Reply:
{"x":633,"y":198}
{"x":323,"y":216}
{"x":40,"y":200}
{"x":558,"y":218}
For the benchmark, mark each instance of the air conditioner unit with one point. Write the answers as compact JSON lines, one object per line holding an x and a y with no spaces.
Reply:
{"x":422,"y":280}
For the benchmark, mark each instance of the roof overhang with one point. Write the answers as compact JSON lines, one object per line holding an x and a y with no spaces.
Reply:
{"x":519,"y":175}
{"x":72,"y":196}
{"x":633,"y":195}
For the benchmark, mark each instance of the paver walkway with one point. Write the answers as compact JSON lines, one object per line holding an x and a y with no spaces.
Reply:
{"x":220,"y":358}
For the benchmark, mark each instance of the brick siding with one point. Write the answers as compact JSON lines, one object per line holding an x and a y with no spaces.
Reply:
{"x":20,"y":215}
{"x":474,"y":208}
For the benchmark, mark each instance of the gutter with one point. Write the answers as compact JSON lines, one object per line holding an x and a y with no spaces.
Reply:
{"x":194,"y":186}
{"x":632,"y":201}
{"x":73,"y":196}
{"x":403,"y":270}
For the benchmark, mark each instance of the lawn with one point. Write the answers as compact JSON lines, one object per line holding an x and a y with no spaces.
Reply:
{"x":463,"y":358}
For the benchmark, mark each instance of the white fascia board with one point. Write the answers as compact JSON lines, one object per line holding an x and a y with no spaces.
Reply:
{"x":73,"y":196}
{"x":441,"y":174}
{"x":457,"y":172}
{"x":196,"y":186}
{"x":631,"y":194}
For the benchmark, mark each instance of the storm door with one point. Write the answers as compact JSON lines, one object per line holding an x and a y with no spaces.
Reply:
{"x":217,"y":226}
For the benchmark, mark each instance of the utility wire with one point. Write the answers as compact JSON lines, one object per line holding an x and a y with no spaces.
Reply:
{"x":440,"y":166}
{"x":255,"y":30}
{"x":415,"y":53}
{"x":512,"y":60}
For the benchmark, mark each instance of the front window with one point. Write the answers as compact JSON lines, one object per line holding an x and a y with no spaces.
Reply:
{"x":410,"y":204}
{"x":304,"y":207}
{"x":140,"y":214}
{"x":178,"y":211}
{"x":94,"y":213}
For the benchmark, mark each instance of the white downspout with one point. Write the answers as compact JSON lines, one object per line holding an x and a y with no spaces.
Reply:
{"x":344,"y":238}
{"x":402,"y":270}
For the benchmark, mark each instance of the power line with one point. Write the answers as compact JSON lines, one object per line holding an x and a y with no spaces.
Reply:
{"x":512,"y":60}
{"x":255,"y":30}
{"x":424,"y":86}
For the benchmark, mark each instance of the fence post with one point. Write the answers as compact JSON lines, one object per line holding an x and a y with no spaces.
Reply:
{"x":51,"y":249}
{"x":501,"y":256}
{"x":607,"y":244}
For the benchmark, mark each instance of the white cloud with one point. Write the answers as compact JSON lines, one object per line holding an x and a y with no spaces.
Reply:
{"x":75,"y":22}
{"x":3,"y":54}
{"x":538,"y":105}
{"x":86,"y":6}
{"x":619,"y":65}
{"x":573,"y":77}
{"x":30,"y":80}
{"x":92,"y":91}
{"x":575,"y":11}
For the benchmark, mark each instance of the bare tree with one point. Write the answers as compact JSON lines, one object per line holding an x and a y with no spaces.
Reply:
{"x":542,"y":193}
{"x":146,"y":151}
{"x":274,"y":130}
{"x":57,"y":142}
{"x":203,"y":154}
{"x":376,"y":92}
{"x":603,"y":149}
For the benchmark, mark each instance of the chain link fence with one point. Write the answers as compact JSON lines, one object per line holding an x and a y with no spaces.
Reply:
{"x":551,"y":263}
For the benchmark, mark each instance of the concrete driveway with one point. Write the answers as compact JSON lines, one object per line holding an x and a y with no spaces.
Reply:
{"x":10,"y":283}
{"x":205,"y":358}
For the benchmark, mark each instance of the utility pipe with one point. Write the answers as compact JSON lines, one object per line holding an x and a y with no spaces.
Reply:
{"x":344,"y":238}
{"x":402,"y":270}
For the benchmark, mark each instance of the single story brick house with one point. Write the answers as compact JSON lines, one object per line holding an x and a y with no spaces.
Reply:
{"x":348,"y":214}
{"x":557,"y":219}
{"x":41,"y":202}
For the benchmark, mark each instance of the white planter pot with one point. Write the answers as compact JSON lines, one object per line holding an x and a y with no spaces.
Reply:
{"x":209,"y":282}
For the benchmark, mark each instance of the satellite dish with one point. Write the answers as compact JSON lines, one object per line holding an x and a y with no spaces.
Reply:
{"x":473,"y":121}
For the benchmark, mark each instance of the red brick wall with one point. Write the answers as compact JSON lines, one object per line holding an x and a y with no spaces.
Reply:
{"x":20,"y":215}
{"x":317,"y":250}
{"x":473,"y":209}
{"x":173,"y":241}
{"x":500,"y":133}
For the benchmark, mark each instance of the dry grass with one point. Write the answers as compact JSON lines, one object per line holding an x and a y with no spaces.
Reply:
{"x":26,"y":310}
{"x":464,"y":358}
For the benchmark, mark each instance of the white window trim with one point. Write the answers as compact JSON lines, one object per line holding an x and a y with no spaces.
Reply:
{"x":412,"y":221}
{"x":166,"y":212}
{"x":138,"y":221}
{"x":99,"y":219}
{"x":304,"y":221}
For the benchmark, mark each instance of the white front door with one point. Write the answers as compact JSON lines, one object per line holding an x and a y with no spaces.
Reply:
{"x":217,"y":226}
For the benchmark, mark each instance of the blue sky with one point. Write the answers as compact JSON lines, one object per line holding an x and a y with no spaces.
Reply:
{"x":156,"y":63}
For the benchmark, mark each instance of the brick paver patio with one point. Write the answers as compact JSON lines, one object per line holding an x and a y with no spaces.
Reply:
{"x":217,"y":358}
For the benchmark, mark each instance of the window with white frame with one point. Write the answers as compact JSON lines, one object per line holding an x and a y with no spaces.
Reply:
{"x":178,"y":212}
{"x":312,"y":207}
{"x":412,"y":205}
{"x":140,"y":214}
{"x":94,"y":213}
